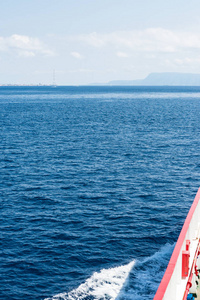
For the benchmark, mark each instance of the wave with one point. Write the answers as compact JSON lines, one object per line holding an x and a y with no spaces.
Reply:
{"x":105,"y":284}
{"x":146,"y":275}
{"x":132,"y":281}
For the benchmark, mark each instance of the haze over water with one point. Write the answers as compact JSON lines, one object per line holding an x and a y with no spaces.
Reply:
{"x":96,"y":183}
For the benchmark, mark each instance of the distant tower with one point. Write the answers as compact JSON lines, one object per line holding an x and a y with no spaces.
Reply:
{"x":54,"y":78}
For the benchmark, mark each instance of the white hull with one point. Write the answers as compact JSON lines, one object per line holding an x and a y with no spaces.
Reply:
{"x":180,"y":279}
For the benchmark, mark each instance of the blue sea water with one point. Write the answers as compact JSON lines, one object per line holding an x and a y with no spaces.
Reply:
{"x":95,"y":185}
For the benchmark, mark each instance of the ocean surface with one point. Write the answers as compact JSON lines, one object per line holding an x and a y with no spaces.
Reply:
{"x":95,"y":185}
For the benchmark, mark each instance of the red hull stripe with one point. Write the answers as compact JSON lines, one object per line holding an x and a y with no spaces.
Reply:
{"x":170,"y":268}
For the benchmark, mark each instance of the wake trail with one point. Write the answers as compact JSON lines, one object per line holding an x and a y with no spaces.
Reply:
{"x":105,"y":284}
{"x":137,"y":280}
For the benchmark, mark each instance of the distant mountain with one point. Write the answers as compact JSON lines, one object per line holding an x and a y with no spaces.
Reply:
{"x":163,"y":79}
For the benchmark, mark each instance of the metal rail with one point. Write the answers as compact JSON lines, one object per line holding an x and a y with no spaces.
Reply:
{"x":189,"y":283}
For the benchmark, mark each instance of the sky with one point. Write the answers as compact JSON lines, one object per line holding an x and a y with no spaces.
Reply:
{"x":96,"y":41}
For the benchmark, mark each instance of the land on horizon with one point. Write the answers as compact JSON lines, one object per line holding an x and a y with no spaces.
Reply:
{"x":161,"y":79}
{"x":153,"y":79}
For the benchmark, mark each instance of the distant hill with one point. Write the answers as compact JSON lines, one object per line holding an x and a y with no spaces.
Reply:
{"x":163,"y":79}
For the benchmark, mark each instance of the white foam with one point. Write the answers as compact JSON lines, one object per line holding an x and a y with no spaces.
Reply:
{"x":146,"y":275}
{"x":115,"y":283}
{"x":105,"y":284}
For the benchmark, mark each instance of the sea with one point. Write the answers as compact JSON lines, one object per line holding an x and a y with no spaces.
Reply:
{"x":95,"y":185}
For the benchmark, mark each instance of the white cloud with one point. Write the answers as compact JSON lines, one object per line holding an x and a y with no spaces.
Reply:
{"x":26,"y":53}
{"x":122,"y":54}
{"x":81,"y":71}
{"x":186,"y":61}
{"x":148,"y":40}
{"x":93,"y":39}
{"x":24,"y":46}
{"x":76,"y":55}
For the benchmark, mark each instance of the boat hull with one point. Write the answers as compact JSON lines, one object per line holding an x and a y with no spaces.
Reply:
{"x":181,"y":267}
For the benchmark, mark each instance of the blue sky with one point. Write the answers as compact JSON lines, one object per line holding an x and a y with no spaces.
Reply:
{"x":88,"y":41}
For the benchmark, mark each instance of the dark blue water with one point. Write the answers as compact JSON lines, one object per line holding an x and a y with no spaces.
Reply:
{"x":95,"y":184}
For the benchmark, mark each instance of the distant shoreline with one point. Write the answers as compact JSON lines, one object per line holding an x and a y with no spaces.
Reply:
{"x":154,"y":79}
